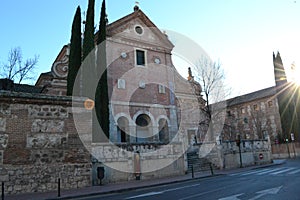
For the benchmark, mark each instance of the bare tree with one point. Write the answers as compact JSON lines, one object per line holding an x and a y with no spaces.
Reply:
{"x":17,"y":70}
{"x":211,"y":77}
{"x":261,"y":124}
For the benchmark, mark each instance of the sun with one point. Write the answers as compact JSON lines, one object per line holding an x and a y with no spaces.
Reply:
{"x":295,"y":74}
{"x":296,"y":77}
{"x":297,"y":81}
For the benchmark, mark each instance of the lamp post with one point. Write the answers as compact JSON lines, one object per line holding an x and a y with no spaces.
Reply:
{"x":238,"y":143}
{"x":293,"y":144}
{"x":287,"y":145}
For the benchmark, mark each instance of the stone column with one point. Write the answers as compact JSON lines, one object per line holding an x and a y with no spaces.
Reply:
{"x":155,"y":133}
{"x":173,"y":126}
{"x":132,"y":130}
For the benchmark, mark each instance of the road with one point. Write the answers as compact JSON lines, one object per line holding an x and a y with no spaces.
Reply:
{"x":276,"y":182}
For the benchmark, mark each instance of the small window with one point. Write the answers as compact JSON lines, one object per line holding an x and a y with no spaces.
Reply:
{"x":157,"y":60}
{"x":270,"y":103}
{"x":142,"y":85}
{"x":161,"y":89}
{"x":140,"y":57}
{"x":255,"y":107}
{"x":121,"y":84}
{"x":243,"y":111}
{"x":229,"y":113}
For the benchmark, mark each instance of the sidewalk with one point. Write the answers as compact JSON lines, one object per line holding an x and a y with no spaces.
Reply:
{"x":126,"y":186}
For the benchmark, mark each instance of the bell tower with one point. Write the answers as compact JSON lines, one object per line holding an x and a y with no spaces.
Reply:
{"x":279,"y":72}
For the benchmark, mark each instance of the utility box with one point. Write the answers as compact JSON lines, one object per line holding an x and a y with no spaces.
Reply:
{"x":100,"y":172}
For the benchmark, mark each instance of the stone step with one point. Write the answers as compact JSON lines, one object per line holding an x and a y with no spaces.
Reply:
{"x":199,"y":164}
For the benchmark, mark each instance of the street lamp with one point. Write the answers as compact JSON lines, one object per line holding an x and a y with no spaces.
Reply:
{"x":293,"y":144}
{"x":238,"y":143}
{"x":287,"y":145}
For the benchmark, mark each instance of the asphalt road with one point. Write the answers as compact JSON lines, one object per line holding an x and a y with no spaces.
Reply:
{"x":277,"y":182}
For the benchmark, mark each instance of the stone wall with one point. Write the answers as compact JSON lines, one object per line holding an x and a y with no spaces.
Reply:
{"x":155,"y":160}
{"x":251,"y":150}
{"x":39,"y":144}
{"x":287,"y":150}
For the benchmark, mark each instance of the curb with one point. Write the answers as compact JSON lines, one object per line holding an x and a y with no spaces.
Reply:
{"x":271,"y":164}
{"x":130,"y":189}
{"x":155,"y":184}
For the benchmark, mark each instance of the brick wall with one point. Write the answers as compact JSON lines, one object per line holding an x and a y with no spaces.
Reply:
{"x":253,"y":124}
{"x":39,"y":143}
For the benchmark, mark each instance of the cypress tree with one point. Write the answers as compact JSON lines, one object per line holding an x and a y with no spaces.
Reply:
{"x":75,"y":52}
{"x":89,"y":37}
{"x":102,"y":24}
{"x":101,"y":96}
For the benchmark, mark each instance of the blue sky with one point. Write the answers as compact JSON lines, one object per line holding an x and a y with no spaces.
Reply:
{"x":242,"y":34}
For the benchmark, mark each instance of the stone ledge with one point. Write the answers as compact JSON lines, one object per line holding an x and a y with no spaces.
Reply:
{"x":16,"y":97}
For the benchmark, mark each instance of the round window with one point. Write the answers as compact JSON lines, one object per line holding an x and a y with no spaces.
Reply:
{"x":157,"y":60}
{"x":139,"y":30}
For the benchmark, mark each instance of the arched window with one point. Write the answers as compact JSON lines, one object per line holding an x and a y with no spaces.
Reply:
{"x":123,"y":129}
{"x":143,"y":128}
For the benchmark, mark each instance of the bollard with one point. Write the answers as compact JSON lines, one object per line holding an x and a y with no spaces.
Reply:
{"x":193,"y":171}
{"x":211,"y":169}
{"x":58,"y":188}
{"x":2,"y":191}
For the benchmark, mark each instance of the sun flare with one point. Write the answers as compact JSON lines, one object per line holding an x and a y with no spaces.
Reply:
{"x":297,"y":80}
{"x":295,"y":74}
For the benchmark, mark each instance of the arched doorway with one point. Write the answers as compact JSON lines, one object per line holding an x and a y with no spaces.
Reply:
{"x":163,"y":130}
{"x":143,"y":128}
{"x":123,"y":128}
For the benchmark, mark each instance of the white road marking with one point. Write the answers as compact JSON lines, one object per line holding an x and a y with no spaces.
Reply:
{"x":207,"y":192}
{"x":294,"y":172}
{"x":161,"y":192}
{"x":233,"y":197}
{"x":179,"y":188}
{"x":271,"y":170}
{"x":145,"y":195}
{"x":266,"y":192}
{"x":259,"y":194}
{"x":282,"y":171}
{"x":254,"y":172}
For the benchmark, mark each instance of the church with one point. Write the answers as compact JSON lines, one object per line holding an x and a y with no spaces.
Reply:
{"x":154,"y":111}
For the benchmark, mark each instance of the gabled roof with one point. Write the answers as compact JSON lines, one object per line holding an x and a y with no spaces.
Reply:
{"x":62,"y":53}
{"x":113,"y":28}
{"x":43,"y":76}
{"x":267,"y":92}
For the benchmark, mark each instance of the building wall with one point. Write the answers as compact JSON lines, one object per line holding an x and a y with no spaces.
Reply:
{"x":253,"y":120}
{"x":39,"y":144}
